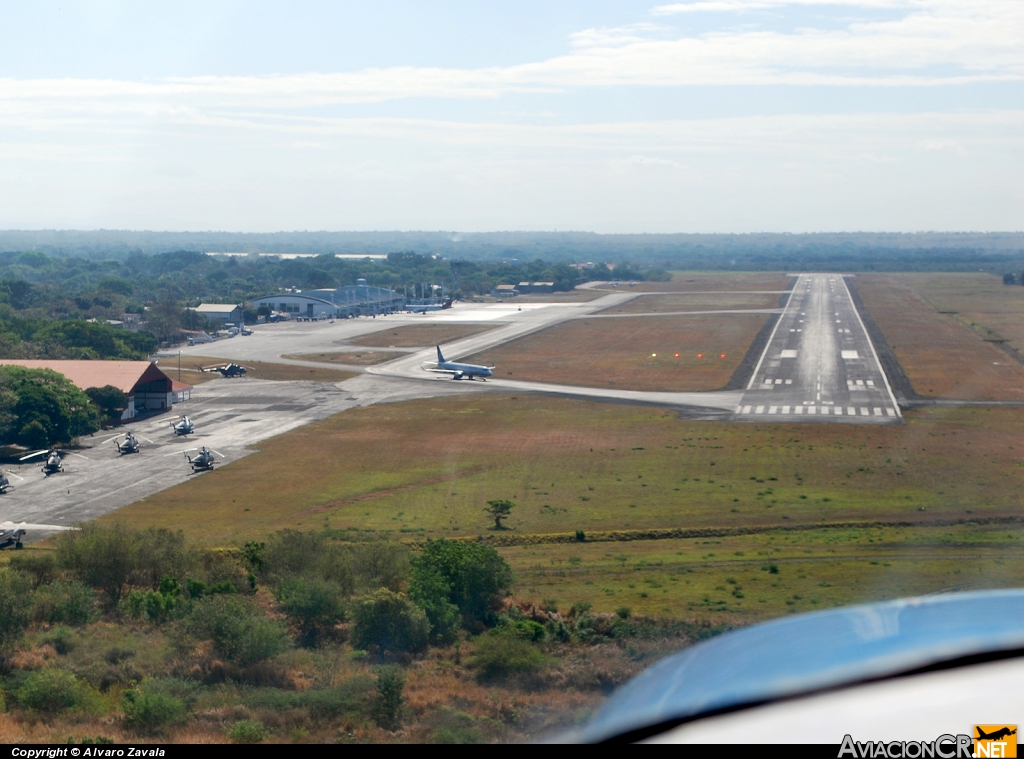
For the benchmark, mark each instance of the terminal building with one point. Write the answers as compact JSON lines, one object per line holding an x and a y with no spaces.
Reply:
{"x":149,"y":390}
{"x":360,"y":299}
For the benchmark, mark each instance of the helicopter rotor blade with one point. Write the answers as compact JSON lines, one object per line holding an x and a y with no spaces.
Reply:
{"x":218,"y":453}
{"x":71,"y":453}
{"x":33,"y":455}
{"x":13,"y":474}
{"x":175,"y":453}
{"x":146,"y":439}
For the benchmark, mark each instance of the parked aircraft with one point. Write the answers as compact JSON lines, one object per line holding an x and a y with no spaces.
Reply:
{"x":11,"y":536}
{"x":457,"y":370}
{"x":128,"y":445}
{"x":5,"y":484}
{"x":227,"y":370}
{"x":203,"y":461}
{"x":53,"y":463}
{"x":184,"y":426}
{"x":422,"y":308}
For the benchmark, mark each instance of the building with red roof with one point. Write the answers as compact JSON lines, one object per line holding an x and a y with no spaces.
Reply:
{"x":147,"y":387}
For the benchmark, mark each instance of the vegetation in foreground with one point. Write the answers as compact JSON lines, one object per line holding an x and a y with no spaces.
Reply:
{"x":118,"y":634}
{"x":933,"y":503}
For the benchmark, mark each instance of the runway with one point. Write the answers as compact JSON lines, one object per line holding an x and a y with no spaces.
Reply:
{"x":819,"y":363}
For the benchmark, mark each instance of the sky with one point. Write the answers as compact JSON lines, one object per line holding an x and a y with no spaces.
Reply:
{"x":700,"y":116}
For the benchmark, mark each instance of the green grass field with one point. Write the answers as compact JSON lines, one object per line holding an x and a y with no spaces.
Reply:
{"x":425,"y":469}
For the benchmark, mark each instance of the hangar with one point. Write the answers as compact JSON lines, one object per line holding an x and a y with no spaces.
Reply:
{"x":360,"y":299}
{"x":225,"y":313}
{"x":147,"y":387}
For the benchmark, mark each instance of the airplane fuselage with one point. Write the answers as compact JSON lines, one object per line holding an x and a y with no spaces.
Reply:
{"x":464,"y":371}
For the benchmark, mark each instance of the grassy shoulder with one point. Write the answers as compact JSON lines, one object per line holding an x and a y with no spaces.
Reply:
{"x":670,"y":353}
{"x":361,"y":358}
{"x":191,"y":370}
{"x":642,"y":477}
{"x":419,"y":335}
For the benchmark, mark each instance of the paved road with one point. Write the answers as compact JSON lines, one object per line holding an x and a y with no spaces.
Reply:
{"x":819,"y":363}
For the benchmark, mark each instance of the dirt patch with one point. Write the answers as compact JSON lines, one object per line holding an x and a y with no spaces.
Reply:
{"x":668,"y":353}
{"x":419,"y":335}
{"x":697,"y":301}
{"x":365,"y":358}
{"x":941,"y":356}
{"x":191,"y":370}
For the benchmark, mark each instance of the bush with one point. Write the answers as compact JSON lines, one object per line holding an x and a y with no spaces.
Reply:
{"x":248,"y":731}
{"x":238,"y":631}
{"x":498,"y":656}
{"x":113,"y":559}
{"x":313,"y":605}
{"x":64,"y":603}
{"x":14,"y":611}
{"x":156,"y":605}
{"x":39,"y":566}
{"x":380,"y":565}
{"x":51,"y":691}
{"x":474,"y":576}
{"x":388,"y":621}
{"x":292,"y":554}
{"x":150,"y":709}
{"x":388,"y":706}
{"x":432,"y":594}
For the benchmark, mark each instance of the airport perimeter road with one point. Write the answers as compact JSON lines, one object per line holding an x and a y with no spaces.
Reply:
{"x":230,"y":415}
{"x":819,"y":363}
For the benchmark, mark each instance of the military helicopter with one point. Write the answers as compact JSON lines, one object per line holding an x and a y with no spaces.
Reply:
{"x":204,"y":461}
{"x":183,"y":426}
{"x":54,"y":460}
{"x":11,"y":536}
{"x":5,"y":484}
{"x":129,"y":445}
{"x":227,"y":370}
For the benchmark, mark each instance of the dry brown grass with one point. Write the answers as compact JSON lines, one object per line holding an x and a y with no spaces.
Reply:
{"x":419,"y":335}
{"x":365,"y":358}
{"x":698,"y":301}
{"x":190,"y":370}
{"x":940,"y":352}
{"x":618,"y":352}
{"x":690,"y":281}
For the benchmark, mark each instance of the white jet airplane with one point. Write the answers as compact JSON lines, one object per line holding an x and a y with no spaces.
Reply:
{"x":457,"y":370}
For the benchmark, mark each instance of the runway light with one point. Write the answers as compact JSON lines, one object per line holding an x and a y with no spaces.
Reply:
{"x":700,"y":355}
{"x":677,"y":355}
{"x":722,"y":356}
{"x":654,"y":355}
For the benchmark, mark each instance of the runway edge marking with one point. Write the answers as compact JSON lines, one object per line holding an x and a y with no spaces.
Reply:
{"x":874,"y":353}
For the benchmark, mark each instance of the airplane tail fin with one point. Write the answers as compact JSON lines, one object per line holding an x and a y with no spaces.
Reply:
{"x":440,"y":357}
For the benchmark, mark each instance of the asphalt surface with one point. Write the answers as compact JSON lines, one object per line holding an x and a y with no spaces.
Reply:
{"x":819,"y":363}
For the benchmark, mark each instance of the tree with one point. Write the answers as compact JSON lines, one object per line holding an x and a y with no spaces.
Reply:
{"x":499,"y":509}
{"x":313,"y":605}
{"x":39,"y":407}
{"x":472,"y":576}
{"x":237,"y":629}
{"x":14,"y":607}
{"x":110,"y":400}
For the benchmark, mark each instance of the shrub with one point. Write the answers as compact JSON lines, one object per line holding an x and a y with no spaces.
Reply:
{"x":39,"y":566}
{"x":388,"y":705}
{"x":64,"y":603}
{"x":14,"y":611}
{"x":238,"y":631}
{"x":113,"y":559}
{"x":498,"y":656}
{"x":581,"y":537}
{"x":149,"y":709}
{"x":248,"y":731}
{"x":432,"y":594}
{"x":380,"y":565}
{"x":51,"y":691}
{"x":623,"y":612}
{"x":474,"y":574}
{"x":313,"y":605}
{"x":291,"y":554}
{"x":388,"y":621}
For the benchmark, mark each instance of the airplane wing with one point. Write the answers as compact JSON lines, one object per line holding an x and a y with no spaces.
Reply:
{"x":908,"y":669}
